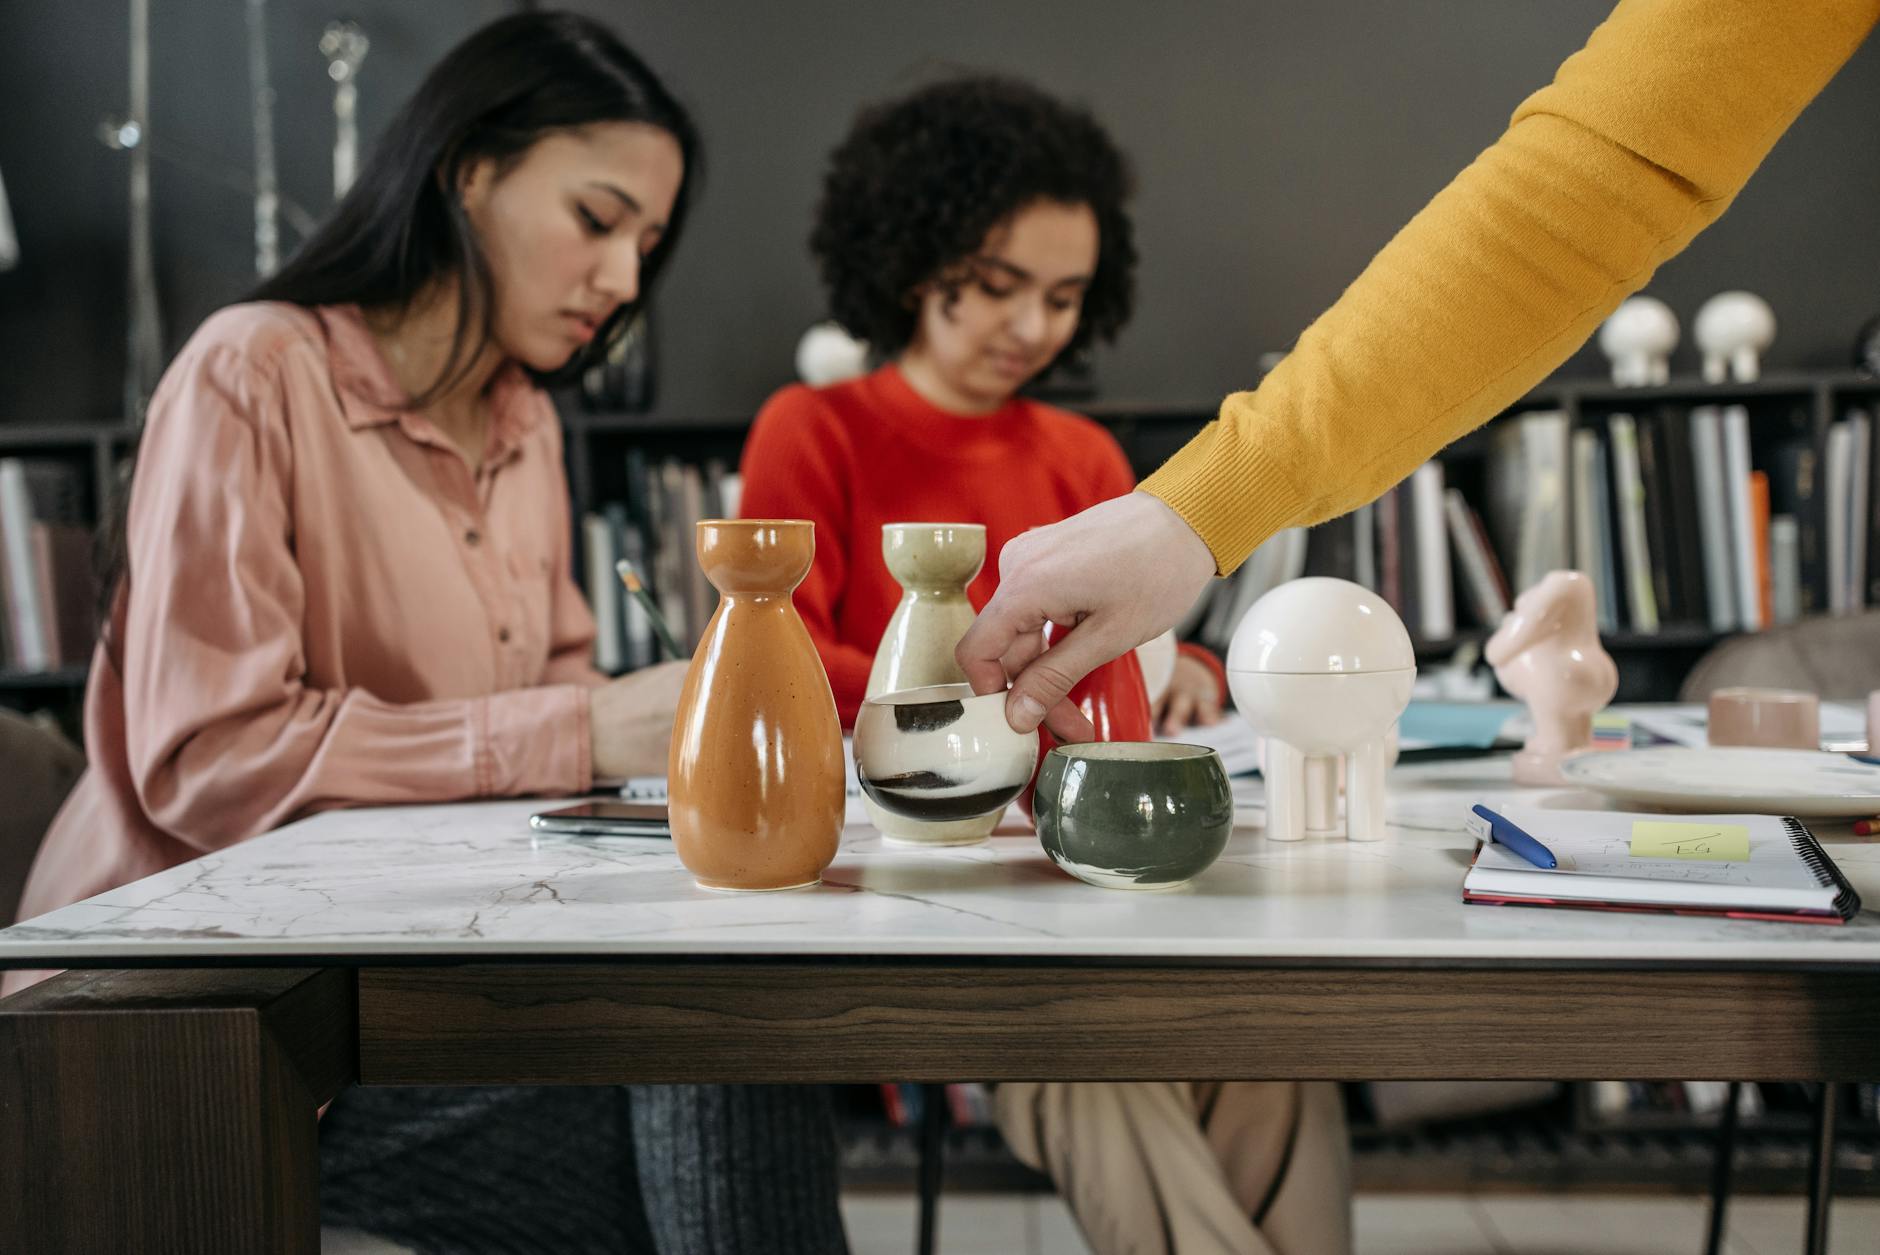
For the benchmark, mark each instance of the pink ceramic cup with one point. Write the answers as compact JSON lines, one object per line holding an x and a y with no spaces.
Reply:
{"x":1771,"y":718}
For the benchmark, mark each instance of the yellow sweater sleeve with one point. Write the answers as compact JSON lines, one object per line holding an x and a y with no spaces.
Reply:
{"x":1640,"y":142}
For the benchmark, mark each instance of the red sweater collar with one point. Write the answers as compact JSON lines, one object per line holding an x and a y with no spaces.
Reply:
{"x":961,"y":435}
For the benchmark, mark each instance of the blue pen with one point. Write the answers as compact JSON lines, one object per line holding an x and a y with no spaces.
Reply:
{"x":1507,"y":834}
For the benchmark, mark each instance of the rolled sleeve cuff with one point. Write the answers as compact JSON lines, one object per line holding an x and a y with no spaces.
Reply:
{"x":1232,"y":492}
{"x":533,"y":740}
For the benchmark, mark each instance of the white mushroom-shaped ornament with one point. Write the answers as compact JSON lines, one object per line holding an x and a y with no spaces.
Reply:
{"x":1734,"y":330}
{"x":827,"y":354}
{"x":1322,"y":668}
{"x":1638,"y":340}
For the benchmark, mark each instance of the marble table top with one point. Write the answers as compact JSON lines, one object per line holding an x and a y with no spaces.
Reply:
{"x":472,"y":882}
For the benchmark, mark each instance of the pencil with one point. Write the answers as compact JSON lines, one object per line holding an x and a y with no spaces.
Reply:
{"x":637,"y":590}
{"x":1867,"y":828}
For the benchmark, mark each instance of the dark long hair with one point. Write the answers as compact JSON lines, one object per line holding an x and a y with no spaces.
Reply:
{"x":401,"y":226}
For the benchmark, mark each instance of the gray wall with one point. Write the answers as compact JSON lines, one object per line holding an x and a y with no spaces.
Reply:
{"x":1277,"y":145}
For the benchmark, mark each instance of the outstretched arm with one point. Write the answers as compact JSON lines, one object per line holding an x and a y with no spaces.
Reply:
{"x":1641,"y":141}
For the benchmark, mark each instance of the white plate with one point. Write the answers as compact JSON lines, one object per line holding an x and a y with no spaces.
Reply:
{"x":1805,"y":783}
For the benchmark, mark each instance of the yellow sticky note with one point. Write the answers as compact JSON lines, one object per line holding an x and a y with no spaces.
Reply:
{"x":1657,"y":838}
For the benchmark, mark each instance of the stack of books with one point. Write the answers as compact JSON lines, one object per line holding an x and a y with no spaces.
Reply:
{"x":1674,"y":526}
{"x":653,"y":529}
{"x":45,"y":567}
{"x":1422,"y":545}
{"x":1687,"y":517}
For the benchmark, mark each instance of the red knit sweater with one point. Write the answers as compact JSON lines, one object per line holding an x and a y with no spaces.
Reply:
{"x":856,"y":455}
{"x":869,"y":451}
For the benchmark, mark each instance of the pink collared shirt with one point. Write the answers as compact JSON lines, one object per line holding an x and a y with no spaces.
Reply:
{"x":325,"y":607}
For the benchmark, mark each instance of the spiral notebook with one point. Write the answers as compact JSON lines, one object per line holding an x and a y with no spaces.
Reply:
{"x":1744,"y":866}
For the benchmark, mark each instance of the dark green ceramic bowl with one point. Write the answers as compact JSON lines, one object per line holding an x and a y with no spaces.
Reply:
{"x":1133,"y":814}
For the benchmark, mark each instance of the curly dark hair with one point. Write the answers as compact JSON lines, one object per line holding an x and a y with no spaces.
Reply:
{"x":913,"y":191}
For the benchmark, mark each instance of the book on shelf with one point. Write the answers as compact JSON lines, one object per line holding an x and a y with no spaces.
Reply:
{"x":893,"y":1105}
{"x":1364,"y":546}
{"x":1713,"y":517}
{"x":1736,"y":470}
{"x":31,"y":650}
{"x":1481,"y":574}
{"x":45,"y":566}
{"x":1785,"y":569}
{"x":1436,"y":619}
{"x":1859,"y":474}
{"x":1592,"y":524}
{"x":1848,"y":470}
{"x":673,"y":561}
{"x":1684,"y":538}
{"x":1796,"y":489}
{"x":62,"y":554}
{"x":1759,"y":520}
{"x":1526,"y":506}
{"x":1332,"y":548}
{"x":602,"y":552}
{"x":1870,"y":576}
{"x":1654,"y":480}
{"x":1641,"y":600}
{"x":1409,"y":559}
{"x":1389,"y":559}
{"x":1840,"y":515}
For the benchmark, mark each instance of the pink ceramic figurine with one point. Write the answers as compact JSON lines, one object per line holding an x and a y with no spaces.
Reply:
{"x":1547,"y":653}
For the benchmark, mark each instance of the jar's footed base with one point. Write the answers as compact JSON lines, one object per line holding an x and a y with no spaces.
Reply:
{"x":899,"y":830}
{"x":918,"y":843}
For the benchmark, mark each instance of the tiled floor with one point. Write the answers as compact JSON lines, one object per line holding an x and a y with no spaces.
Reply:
{"x":1400,"y":1224}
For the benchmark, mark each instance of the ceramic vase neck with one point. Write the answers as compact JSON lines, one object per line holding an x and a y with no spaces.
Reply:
{"x":932,"y":592}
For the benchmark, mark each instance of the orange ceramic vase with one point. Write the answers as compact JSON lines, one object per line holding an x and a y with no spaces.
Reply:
{"x":755,"y":769}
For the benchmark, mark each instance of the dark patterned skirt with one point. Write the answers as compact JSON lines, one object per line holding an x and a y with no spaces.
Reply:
{"x":636,"y":1170}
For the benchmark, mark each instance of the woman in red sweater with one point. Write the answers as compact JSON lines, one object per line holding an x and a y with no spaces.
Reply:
{"x":973,"y":234}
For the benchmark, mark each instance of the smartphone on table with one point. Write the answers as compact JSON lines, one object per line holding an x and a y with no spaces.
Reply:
{"x":606,"y":819}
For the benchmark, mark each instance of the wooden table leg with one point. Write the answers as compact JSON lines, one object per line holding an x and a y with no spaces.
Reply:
{"x":170,"y":1110}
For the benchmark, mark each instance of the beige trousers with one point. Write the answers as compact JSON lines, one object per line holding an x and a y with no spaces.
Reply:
{"x":1191,"y":1168}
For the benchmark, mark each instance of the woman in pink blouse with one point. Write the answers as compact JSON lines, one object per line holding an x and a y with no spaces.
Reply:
{"x":346,"y":581}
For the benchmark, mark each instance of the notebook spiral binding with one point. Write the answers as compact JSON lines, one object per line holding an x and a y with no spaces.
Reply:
{"x":1846,"y":902}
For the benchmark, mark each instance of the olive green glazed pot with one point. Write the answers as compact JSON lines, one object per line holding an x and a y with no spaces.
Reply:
{"x":1133,"y":814}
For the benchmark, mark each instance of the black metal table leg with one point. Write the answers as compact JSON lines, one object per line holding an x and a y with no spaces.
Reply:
{"x":933,"y":1124}
{"x":1821,"y":1169}
{"x":1720,"y":1170}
